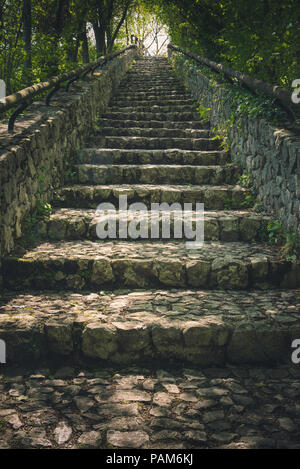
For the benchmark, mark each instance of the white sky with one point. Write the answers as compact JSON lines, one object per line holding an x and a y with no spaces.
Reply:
{"x":163,"y":41}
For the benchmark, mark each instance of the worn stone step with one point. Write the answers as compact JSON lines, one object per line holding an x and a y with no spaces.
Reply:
{"x":213,"y":197}
{"x":197,"y":327}
{"x":126,"y":123}
{"x":162,"y":72}
{"x":150,"y":116}
{"x":149,"y":143}
{"x":81,"y":265}
{"x":153,"y":108}
{"x":142,"y":95}
{"x":145,"y":83}
{"x":154,"y":89}
{"x":153,"y":80}
{"x":71,"y":224}
{"x":140,"y":72}
{"x":158,"y":132}
{"x":152,"y":85}
{"x":106,"y":156}
{"x":155,"y":174}
{"x":124,"y":102}
{"x":149,"y":79}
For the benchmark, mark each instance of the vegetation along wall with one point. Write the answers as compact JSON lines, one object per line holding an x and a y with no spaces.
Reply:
{"x":268,"y":153}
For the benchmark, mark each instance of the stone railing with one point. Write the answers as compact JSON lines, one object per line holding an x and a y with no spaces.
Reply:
{"x":34,"y":157}
{"x":270,"y":154}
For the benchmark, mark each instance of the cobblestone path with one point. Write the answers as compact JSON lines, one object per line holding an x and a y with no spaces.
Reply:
{"x":230,"y":407}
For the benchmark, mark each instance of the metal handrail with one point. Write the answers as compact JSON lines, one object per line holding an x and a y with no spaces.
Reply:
{"x":24,"y":97}
{"x":283,"y":97}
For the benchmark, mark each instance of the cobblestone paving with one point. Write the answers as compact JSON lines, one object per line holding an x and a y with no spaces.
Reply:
{"x":201,"y":327}
{"x":139,"y":408}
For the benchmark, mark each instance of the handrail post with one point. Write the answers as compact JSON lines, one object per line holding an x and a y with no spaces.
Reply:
{"x":16,"y":113}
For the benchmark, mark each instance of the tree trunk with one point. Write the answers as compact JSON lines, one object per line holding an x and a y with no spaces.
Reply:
{"x":85,"y":47}
{"x":27,"y":36}
{"x":123,"y":18}
{"x":100,"y":40}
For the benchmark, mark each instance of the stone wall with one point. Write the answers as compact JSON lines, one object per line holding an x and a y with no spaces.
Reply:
{"x":34,"y":158}
{"x":270,"y":154}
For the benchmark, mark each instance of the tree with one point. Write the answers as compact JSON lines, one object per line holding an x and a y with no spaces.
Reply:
{"x":27,"y":35}
{"x":109,"y":17}
{"x":260,"y":37}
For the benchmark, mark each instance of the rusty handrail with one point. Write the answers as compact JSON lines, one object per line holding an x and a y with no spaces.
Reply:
{"x":23,"y":98}
{"x":283,"y":97}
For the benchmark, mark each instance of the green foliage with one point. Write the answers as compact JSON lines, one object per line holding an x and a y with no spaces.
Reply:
{"x":70,"y":176}
{"x":245,"y":180}
{"x":31,"y":223}
{"x":230,"y":203}
{"x":204,"y":112}
{"x":59,"y":30}
{"x":260,"y":38}
{"x":244,"y":104}
{"x":249,"y":201}
{"x":275,"y":232}
{"x":288,"y":241}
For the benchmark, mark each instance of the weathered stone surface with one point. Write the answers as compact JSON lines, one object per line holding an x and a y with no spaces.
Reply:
{"x":62,"y":433}
{"x":99,"y":340}
{"x":81,"y":265}
{"x":90,"y":439}
{"x":127,"y":439}
{"x":84,"y":403}
{"x":202,"y":327}
{"x":164,"y":419}
{"x":90,"y":196}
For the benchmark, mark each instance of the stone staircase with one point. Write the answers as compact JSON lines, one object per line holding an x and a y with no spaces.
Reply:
{"x":124,"y":300}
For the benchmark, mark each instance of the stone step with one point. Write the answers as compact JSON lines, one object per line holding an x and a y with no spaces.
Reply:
{"x":125,"y":101}
{"x":144,"y":84}
{"x":171,"y":327}
{"x":158,"y":132}
{"x":152,"y":89}
{"x":152,"y":143}
{"x":147,"y":79}
{"x":89,"y":265}
{"x":138,"y":95}
{"x":153,"y":108}
{"x":153,"y":116}
{"x":213,"y":197}
{"x":151,"y":84}
{"x":75,"y":224}
{"x":148,"y":72}
{"x":139,"y":73}
{"x":155,"y":174}
{"x":106,"y":156}
{"x":127,"y":123}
